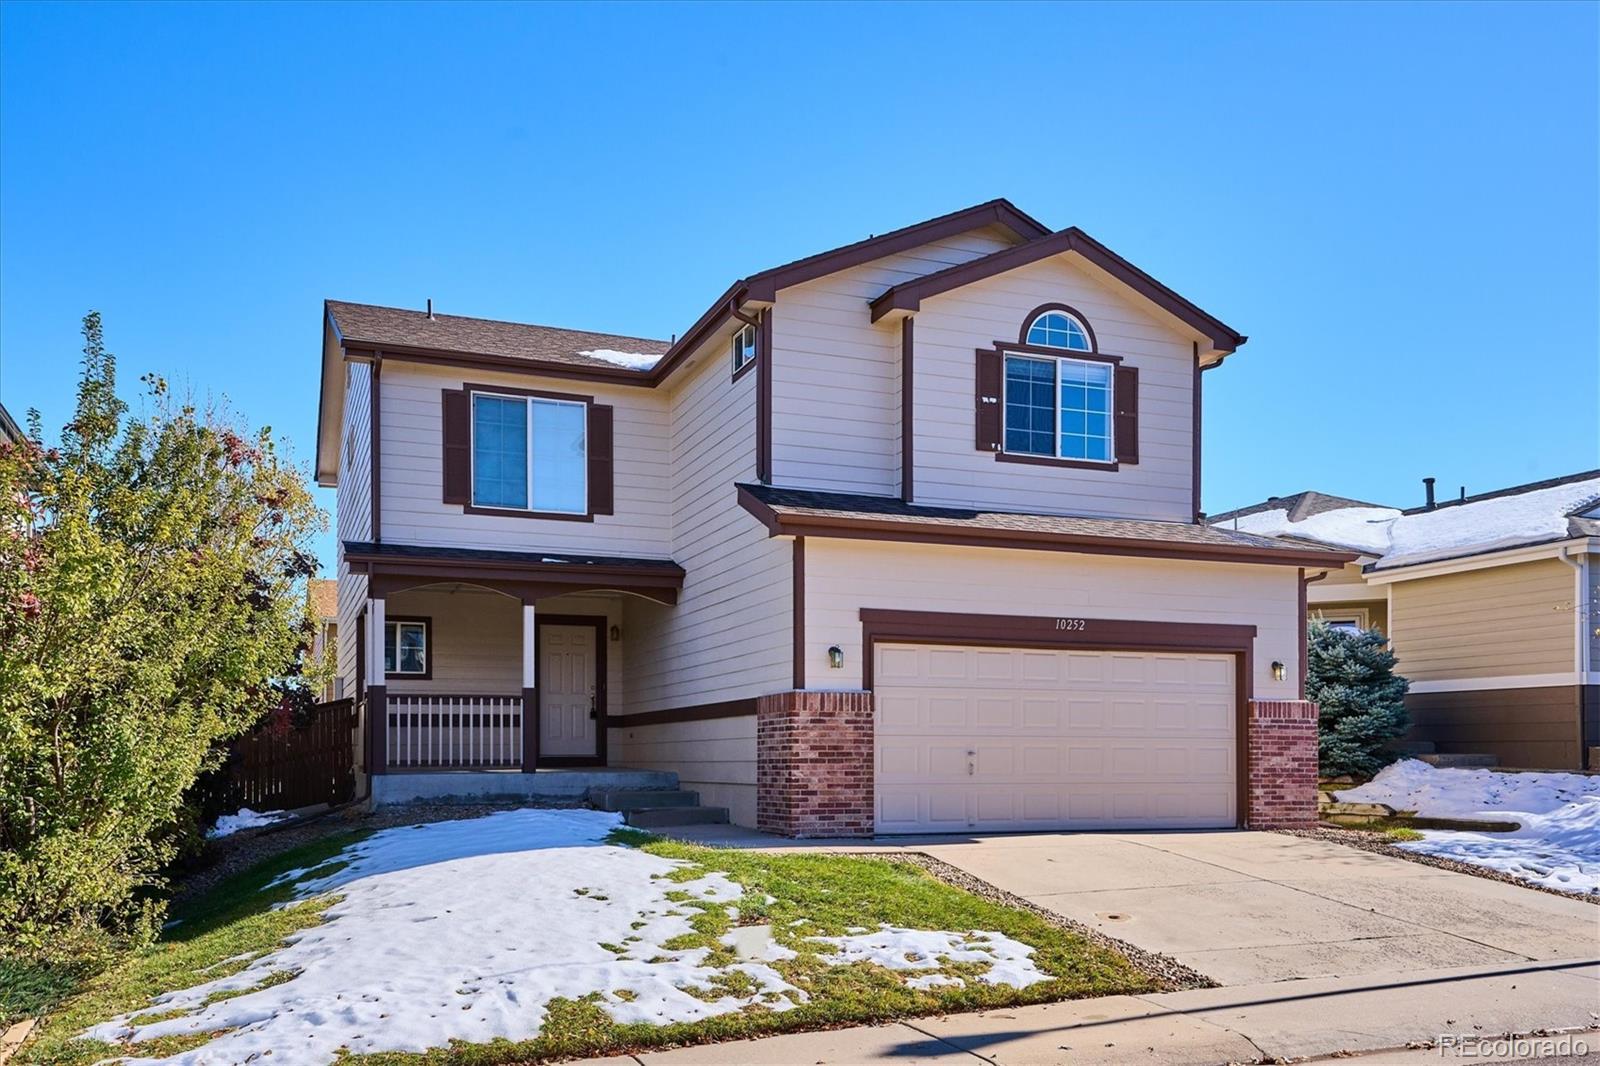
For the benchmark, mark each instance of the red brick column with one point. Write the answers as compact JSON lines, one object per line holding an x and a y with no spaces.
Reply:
{"x":814,"y":754}
{"x":1283,"y":764}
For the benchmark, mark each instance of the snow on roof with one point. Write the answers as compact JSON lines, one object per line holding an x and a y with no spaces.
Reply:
{"x":631,"y":360}
{"x":1540,"y":513}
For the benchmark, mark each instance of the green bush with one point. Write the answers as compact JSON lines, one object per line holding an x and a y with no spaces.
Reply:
{"x":151,"y":605}
{"x":1351,"y":676}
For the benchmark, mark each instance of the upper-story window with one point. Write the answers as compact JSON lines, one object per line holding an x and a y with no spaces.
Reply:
{"x":1058,"y":329}
{"x":529,"y":453}
{"x":744,"y":348}
{"x":1058,"y":407}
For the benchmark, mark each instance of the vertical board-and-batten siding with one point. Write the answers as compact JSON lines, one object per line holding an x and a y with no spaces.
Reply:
{"x":353,"y":511}
{"x":842,"y":577}
{"x":1503,"y":621}
{"x":412,"y":471}
{"x":836,"y":375}
{"x":949,"y":329}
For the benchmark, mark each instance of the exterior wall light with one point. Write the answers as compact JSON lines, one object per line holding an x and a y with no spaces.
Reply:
{"x":616,"y":633}
{"x":836,"y":658}
{"x":1277,"y":671}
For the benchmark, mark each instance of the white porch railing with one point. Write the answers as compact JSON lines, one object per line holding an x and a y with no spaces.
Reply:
{"x":454,"y":732}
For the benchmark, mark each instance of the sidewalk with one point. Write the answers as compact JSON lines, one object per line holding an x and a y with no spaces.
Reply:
{"x":1244,"y":1023}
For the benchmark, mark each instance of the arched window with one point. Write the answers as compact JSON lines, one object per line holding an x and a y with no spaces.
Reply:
{"x":1058,"y":329}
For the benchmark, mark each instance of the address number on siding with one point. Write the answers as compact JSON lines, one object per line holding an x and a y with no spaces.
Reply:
{"x":1070,"y":623}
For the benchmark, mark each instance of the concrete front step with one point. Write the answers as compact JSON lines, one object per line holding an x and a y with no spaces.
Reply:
{"x":664,"y":816}
{"x":1459,"y":761}
{"x":640,"y":799}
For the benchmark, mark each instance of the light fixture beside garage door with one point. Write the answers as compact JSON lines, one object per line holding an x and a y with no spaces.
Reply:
{"x":1277,"y":671}
{"x":836,"y":658}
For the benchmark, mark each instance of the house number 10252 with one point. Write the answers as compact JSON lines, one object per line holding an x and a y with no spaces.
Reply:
{"x":1069,"y":623}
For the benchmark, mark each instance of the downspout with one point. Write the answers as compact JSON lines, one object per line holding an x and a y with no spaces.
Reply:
{"x":1305,"y":642}
{"x":1580,"y":568}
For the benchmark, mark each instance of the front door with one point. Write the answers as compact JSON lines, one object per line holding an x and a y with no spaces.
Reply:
{"x":569,"y":703}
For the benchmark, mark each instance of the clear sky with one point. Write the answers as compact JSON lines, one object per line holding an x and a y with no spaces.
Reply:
{"x":1398,"y":203}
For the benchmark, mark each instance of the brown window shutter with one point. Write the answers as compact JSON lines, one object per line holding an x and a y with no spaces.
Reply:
{"x":1127,"y":423}
{"x":457,"y":446}
{"x":601,"y":468}
{"x":986,"y":402}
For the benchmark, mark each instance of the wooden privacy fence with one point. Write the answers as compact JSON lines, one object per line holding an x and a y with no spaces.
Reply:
{"x":278,"y":768}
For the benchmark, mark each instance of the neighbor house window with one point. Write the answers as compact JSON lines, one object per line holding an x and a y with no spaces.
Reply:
{"x":405,"y":649}
{"x":744,"y":348}
{"x":1059,"y":408}
{"x":1057,"y":329}
{"x":529,"y":453}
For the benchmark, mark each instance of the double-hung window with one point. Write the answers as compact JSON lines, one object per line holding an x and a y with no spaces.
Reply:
{"x":405,"y":649}
{"x":529,"y":453}
{"x":1058,"y":408}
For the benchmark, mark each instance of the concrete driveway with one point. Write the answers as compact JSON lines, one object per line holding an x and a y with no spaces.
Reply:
{"x":1249,"y":908}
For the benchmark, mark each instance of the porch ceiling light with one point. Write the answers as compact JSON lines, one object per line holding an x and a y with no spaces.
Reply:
{"x":836,"y":658}
{"x":1277,"y":671}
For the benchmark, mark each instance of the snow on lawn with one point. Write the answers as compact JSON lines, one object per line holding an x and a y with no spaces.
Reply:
{"x":1011,"y":961}
{"x":229,"y":824}
{"x":1556,"y":845}
{"x":466,"y":930}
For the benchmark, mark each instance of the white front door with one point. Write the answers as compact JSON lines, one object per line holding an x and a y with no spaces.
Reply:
{"x":1031,"y":739}
{"x":567,"y":697}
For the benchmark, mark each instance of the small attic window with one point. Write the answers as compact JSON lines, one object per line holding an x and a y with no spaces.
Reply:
{"x":744,"y":348}
{"x":1058,"y":329}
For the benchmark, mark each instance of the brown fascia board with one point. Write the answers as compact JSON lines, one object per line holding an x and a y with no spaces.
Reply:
{"x":908,"y":296}
{"x":666,"y":574}
{"x":950,"y":533}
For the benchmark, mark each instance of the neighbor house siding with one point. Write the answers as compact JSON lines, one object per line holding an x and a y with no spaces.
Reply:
{"x":1505,"y":621}
{"x":950,"y":470}
{"x":842,"y":577}
{"x":836,"y":375}
{"x":412,"y":471}
{"x":353,"y":512}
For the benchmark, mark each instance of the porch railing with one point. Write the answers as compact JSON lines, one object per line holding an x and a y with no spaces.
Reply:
{"x":454,"y":732}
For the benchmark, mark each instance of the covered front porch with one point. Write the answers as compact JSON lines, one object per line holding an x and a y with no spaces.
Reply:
{"x":491,"y":663}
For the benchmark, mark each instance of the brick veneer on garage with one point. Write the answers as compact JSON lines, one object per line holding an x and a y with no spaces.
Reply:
{"x":1283,"y":764}
{"x":814,"y":755}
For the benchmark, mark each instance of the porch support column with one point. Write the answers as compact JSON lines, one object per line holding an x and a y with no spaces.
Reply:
{"x":377,"y":691}
{"x":530,"y":691}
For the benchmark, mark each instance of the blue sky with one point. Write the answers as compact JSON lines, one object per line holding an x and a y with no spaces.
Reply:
{"x":1398,"y":203}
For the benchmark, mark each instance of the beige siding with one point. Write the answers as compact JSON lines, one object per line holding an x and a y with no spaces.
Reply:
{"x":836,"y":376}
{"x":949,"y":470}
{"x":353,"y":512}
{"x":716,"y":758}
{"x":844,"y":576}
{"x":729,"y":635}
{"x":1500,"y":622}
{"x":412,"y":472}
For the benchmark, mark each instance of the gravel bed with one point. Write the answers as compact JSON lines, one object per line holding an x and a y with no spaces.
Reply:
{"x":1378,"y":843}
{"x":1173,"y":975}
{"x":233,"y":854}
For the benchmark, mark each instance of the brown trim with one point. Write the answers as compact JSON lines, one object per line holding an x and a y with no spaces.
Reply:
{"x":699,"y":712}
{"x":797,"y":596}
{"x":1083,"y":320}
{"x":512,"y":512}
{"x":376,"y":744}
{"x":1050,"y":460}
{"x":427,"y":647}
{"x":1023,"y":631}
{"x":598,"y":623}
{"x":1194,"y":450}
{"x":375,"y":454}
{"x":588,"y":513}
{"x":1015,"y":348}
{"x":544,"y":394}
{"x":764,"y":398}
{"x":523,"y":580}
{"x":908,"y":437}
{"x":908,"y":296}
{"x":850,"y":528}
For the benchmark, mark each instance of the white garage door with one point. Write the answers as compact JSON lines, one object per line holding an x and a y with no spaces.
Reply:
{"x":1018,"y":739}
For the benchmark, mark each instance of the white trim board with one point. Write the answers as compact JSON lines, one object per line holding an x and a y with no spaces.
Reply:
{"x":1484,"y":561}
{"x":1487,"y":684}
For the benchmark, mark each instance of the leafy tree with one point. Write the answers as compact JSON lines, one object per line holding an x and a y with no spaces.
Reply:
{"x":1351,"y":676}
{"x":152,"y":604}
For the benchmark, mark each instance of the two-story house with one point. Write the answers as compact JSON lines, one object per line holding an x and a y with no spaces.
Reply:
{"x":902,"y":536}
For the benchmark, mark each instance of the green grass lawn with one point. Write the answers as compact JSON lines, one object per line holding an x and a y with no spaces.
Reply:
{"x":832,"y":894}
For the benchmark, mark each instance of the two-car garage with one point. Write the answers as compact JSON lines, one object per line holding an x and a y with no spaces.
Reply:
{"x":975,"y":737}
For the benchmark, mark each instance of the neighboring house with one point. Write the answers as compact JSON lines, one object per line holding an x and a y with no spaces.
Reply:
{"x":324,"y":598}
{"x":1489,"y":602}
{"x":902,"y":536}
{"x":10,"y":432}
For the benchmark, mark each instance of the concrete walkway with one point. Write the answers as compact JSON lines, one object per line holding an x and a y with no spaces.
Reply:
{"x":1322,"y":950}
